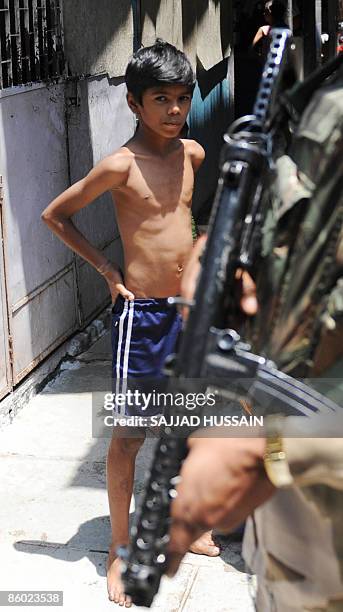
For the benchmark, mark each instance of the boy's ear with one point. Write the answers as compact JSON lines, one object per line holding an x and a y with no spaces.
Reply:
{"x":133,"y":105}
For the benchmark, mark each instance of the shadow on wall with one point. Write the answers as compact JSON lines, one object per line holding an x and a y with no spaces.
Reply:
{"x":99,"y":38}
{"x":90,"y":28}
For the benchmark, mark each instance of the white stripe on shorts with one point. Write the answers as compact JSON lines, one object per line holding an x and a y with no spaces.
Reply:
{"x":127,"y":346}
{"x":120,"y":339}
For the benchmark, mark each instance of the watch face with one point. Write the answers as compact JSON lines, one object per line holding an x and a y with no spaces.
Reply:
{"x":277,"y":469}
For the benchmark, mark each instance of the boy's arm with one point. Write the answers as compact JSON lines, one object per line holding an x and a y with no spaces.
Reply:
{"x":196,"y":153}
{"x":197,"y":156}
{"x":109,"y":173}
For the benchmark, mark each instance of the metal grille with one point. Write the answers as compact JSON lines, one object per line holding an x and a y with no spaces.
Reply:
{"x":31,"y":46}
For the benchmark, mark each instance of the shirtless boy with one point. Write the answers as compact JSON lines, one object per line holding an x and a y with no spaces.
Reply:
{"x":151,"y":179}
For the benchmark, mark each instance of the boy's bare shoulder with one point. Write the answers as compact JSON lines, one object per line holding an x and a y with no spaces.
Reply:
{"x":112,"y":171}
{"x":195,"y":151}
{"x":193,"y":147}
{"x":120,"y":160}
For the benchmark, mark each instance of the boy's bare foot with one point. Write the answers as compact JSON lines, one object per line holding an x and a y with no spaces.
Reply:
{"x":205,"y":546}
{"x":114,"y":583}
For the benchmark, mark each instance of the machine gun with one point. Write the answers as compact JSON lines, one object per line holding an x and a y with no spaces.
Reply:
{"x":211,"y":348}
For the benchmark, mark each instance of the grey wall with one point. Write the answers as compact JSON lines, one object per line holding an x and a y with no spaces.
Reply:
{"x":5,"y":374}
{"x":49,"y":293}
{"x":98,"y":36}
{"x":39,"y":275}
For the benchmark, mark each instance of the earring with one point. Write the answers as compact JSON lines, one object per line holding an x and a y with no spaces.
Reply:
{"x":136,"y":122}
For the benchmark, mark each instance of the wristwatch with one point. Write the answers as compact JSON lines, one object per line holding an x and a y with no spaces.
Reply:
{"x":275,"y":460}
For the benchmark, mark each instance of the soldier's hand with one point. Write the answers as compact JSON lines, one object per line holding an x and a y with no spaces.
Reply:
{"x":191,"y":273}
{"x":245,"y":285}
{"x":247,"y":293}
{"x":222,"y":482}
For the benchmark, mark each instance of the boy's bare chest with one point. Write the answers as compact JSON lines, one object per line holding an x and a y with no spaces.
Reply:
{"x":162,"y":183}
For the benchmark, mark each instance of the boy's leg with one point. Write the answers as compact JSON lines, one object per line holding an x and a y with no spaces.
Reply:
{"x":120,"y":476}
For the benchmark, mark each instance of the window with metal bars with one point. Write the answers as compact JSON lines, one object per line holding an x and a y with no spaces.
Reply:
{"x":31,"y":45}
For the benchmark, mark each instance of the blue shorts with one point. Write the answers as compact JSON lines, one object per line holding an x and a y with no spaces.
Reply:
{"x":144,"y":333}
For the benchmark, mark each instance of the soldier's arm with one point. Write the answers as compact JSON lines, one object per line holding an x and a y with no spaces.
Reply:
{"x":224,"y":479}
{"x":316,"y":459}
{"x":222,"y":482}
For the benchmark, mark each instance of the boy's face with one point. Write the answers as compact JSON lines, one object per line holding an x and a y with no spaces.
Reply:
{"x":164,"y":108}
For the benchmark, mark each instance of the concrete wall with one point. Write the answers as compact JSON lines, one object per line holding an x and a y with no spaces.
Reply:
{"x":39,"y":270}
{"x":5,"y":371}
{"x":98,"y":36}
{"x":42,"y":147}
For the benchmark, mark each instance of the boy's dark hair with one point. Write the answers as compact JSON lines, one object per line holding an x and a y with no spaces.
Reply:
{"x":161,"y":63}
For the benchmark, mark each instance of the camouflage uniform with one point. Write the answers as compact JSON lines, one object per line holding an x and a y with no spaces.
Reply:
{"x":294,"y":543}
{"x":303,"y":239}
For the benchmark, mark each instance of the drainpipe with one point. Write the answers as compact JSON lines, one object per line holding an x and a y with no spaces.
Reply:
{"x":137,"y":26}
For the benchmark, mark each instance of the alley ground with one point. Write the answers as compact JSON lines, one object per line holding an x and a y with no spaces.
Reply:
{"x":54,"y":514}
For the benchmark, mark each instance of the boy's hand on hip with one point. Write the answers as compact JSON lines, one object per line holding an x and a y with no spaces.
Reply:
{"x":115,"y":283}
{"x":121,"y":289}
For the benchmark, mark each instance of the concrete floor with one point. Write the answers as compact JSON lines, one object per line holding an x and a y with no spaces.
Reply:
{"x":54,"y":524}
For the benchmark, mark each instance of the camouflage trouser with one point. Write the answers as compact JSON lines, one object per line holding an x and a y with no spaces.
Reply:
{"x":271,"y":599}
{"x":283,"y":589}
